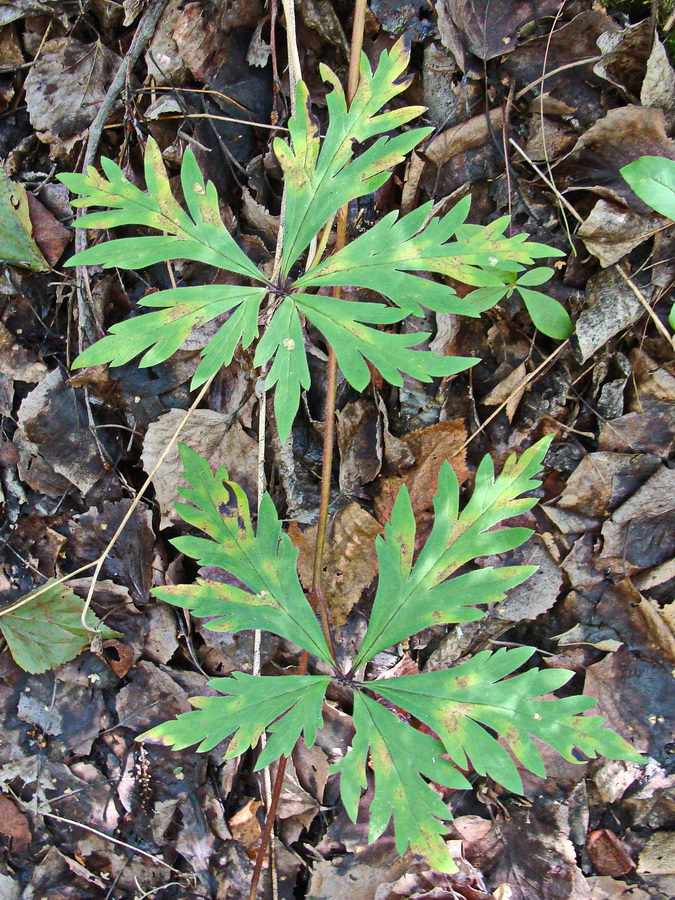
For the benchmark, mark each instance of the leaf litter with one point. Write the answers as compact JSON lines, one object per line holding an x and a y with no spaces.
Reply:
{"x":604,"y":832}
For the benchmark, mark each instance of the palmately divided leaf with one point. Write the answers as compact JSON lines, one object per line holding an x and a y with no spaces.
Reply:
{"x":323,"y":175}
{"x":459,"y":704}
{"x":47,"y":631}
{"x":199,"y":235}
{"x":183,"y":309}
{"x":411,"y":597}
{"x":399,"y":756}
{"x":250,"y":705}
{"x":382,"y":259}
{"x":265,"y":562}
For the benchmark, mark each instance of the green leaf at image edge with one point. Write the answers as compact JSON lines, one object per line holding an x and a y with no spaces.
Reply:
{"x":652,"y":178}
{"x":47,"y":631}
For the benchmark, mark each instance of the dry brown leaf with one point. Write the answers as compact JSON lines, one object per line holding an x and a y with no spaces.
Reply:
{"x":611,"y":231}
{"x":14,"y":825}
{"x":61,"y":109}
{"x":510,"y":390}
{"x":349,"y":563}
{"x":609,"y":855}
{"x":215,"y":438}
{"x":245,"y":827}
{"x":431,"y":447}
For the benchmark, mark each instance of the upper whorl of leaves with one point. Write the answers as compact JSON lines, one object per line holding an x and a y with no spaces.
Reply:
{"x":322,"y":174}
{"x":464,"y":707}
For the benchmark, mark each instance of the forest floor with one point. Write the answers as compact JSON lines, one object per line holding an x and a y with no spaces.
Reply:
{"x":573,"y":94}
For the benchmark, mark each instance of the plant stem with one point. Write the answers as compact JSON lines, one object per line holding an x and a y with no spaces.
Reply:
{"x":317,"y":598}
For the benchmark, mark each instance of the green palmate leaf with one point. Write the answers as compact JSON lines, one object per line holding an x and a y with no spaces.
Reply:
{"x":381,"y":259}
{"x":198,"y":234}
{"x":285,"y":707}
{"x":411,"y":597}
{"x":47,"y":631}
{"x":342,"y":323}
{"x":264,"y":562}
{"x":285,"y":341}
{"x":653,"y":180}
{"x":323,"y":175}
{"x":461,"y":703}
{"x":399,"y":756}
{"x":181,"y":310}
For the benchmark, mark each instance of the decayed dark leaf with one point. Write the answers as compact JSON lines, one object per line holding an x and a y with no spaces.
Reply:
{"x":625,"y":55}
{"x":130,"y":561}
{"x":621,"y":137}
{"x":54,"y":428}
{"x":569,"y":51}
{"x":489,"y":28}
{"x":636,"y":696}
{"x":532,"y":854}
{"x":610,"y":307}
{"x":641,"y":532}
{"x":62,"y":108}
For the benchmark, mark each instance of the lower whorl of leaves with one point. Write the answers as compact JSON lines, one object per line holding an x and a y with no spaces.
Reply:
{"x":473,"y":711}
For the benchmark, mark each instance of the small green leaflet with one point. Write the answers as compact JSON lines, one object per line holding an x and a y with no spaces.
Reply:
{"x":546,"y":313}
{"x":653,"y":180}
{"x":399,"y":755}
{"x":265,"y":562}
{"x":460,"y":704}
{"x":250,"y":705}
{"x":47,"y":631}
{"x":411,"y":597}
